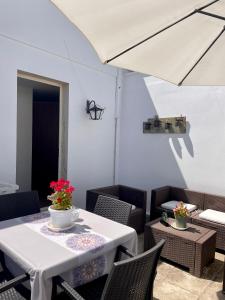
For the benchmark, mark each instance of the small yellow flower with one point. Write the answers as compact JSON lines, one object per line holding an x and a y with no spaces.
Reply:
{"x":181,"y":210}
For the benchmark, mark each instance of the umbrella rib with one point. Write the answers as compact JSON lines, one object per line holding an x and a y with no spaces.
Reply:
{"x":158,"y":32}
{"x":210,"y":46}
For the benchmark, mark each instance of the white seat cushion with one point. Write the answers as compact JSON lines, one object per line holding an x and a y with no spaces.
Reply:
{"x":170,"y":205}
{"x":213,"y":216}
{"x":133,"y":207}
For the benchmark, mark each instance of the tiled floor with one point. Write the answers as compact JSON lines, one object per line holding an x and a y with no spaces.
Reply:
{"x":173,"y":283}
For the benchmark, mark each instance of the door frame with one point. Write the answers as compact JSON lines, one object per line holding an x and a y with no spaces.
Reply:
{"x":63,"y":117}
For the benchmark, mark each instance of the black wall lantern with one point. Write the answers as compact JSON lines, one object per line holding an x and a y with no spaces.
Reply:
{"x":94,"y":110}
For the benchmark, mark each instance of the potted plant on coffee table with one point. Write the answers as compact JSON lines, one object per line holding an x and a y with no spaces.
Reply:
{"x":62,"y":211}
{"x":181,"y":213}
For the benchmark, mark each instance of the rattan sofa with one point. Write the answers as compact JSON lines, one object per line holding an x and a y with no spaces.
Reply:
{"x":131,"y":195}
{"x":168,"y":193}
{"x":203,"y":201}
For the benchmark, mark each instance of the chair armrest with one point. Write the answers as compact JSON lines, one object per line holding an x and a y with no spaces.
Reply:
{"x":72,"y":293}
{"x":159,"y":196}
{"x":13,"y":282}
{"x":124,"y":250}
{"x":91,"y":199}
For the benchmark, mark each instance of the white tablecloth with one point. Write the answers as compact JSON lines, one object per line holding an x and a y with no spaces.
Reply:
{"x":81,"y":254}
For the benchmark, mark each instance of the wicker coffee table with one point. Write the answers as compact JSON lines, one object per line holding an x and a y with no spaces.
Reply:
{"x":193,"y":248}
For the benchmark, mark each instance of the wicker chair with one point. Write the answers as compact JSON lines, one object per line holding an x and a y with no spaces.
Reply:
{"x":18,"y":205}
{"x":113,"y":209}
{"x":132,"y":278}
{"x":13,"y":206}
{"x":133,"y":196}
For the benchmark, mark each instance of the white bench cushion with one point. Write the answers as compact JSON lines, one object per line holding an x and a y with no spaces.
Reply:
{"x":213,"y":216}
{"x":170,"y":205}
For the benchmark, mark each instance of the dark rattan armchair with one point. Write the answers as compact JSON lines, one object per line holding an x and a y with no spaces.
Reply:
{"x":13,"y":206}
{"x":132,"y":278}
{"x":113,"y":209}
{"x":127,"y":194}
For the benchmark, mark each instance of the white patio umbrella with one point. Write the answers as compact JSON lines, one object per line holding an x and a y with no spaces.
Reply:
{"x":181,"y":41}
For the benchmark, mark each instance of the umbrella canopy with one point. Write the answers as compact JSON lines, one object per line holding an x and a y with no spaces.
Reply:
{"x":181,"y":41}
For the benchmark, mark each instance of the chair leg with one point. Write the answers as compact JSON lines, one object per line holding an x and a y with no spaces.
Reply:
{"x":149,"y":294}
{"x":54,"y":289}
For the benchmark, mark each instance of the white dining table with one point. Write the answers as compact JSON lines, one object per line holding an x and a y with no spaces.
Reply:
{"x":80,"y":254}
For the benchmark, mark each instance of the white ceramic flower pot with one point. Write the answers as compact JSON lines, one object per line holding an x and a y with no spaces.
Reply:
{"x":181,"y":222}
{"x":63,"y":218}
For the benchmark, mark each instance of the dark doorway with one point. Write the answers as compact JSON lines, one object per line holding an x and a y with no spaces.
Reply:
{"x":45,"y":140}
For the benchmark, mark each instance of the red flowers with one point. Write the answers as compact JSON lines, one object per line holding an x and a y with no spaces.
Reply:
{"x":62,"y":196}
{"x":61,"y":184}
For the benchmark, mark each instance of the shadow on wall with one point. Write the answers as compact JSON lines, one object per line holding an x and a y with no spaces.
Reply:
{"x":175,"y":139}
{"x":147,"y":161}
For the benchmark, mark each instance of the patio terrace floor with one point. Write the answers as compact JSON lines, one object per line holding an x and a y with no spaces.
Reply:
{"x":173,"y":283}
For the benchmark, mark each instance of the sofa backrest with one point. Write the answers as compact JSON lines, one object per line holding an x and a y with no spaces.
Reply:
{"x":187,"y":196}
{"x":214,"y":202}
{"x":168,"y":193}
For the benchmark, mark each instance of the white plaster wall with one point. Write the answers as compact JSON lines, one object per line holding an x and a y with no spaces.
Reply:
{"x":24,"y":137}
{"x":196,"y":159}
{"x":35,"y":37}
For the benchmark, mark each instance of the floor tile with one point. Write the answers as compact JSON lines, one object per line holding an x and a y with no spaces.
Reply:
{"x":187,"y":282}
{"x":165,"y":290}
{"x":213,"y":292}
{"x":173,"y":283}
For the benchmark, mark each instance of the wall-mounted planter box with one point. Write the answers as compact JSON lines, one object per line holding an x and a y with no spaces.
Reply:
{"x":165,"y":125}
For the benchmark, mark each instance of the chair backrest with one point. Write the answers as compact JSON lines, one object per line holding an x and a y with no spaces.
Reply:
{"x":133,"y":196}
{"x":18,"y":204}
{"x":133,"y":279}
{"x":113,"y":209}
